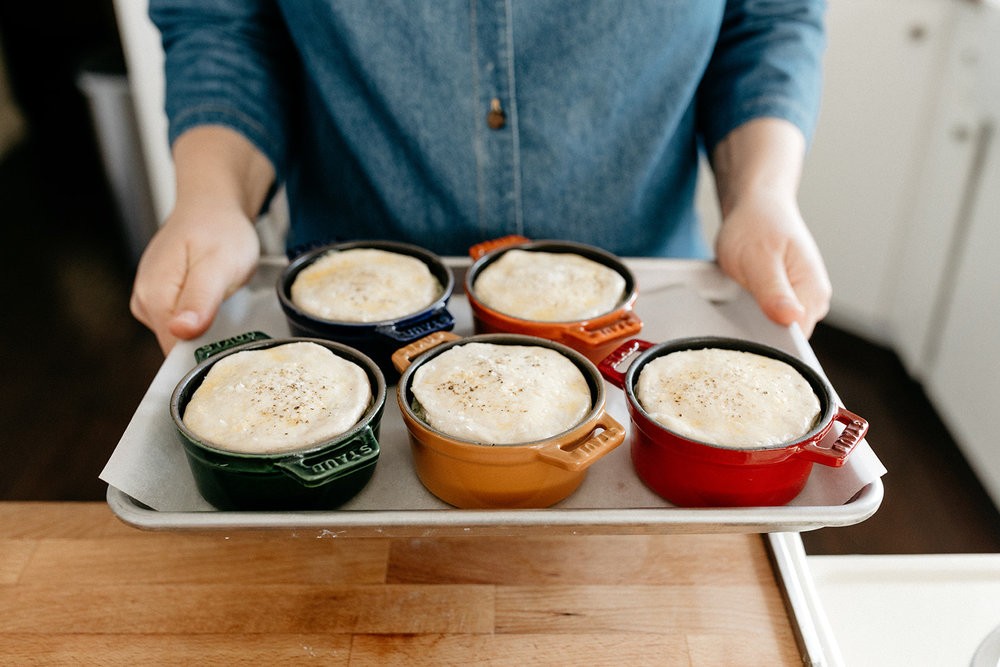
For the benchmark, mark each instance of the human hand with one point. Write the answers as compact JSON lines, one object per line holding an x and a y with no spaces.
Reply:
{"x":763,"y":243}
{"x":200,"y":256}
{"x":765,"y":246}
{"x":208,"y":247}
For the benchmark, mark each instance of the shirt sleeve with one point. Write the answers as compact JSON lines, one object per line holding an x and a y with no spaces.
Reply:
{"x":767,"y":63}
{"x":228,"y":62}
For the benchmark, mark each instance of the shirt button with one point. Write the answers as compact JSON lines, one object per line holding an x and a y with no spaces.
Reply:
{"x":496,"y":118}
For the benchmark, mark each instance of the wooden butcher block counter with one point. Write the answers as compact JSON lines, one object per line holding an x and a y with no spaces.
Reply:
{"x":78,"y":586}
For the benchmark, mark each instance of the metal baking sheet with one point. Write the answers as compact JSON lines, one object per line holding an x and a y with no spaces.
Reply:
{"x":151,"y":487}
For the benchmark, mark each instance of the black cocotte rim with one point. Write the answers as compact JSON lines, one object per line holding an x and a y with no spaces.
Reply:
{"x":192,"y":380}
{"x":437,"y":268}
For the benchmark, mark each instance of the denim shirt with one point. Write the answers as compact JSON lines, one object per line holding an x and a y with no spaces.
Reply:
{"x":376,"y":114}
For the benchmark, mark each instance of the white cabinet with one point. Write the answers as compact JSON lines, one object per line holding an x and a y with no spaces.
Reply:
{"x":963,"y":367}
{"x":963,"y":375}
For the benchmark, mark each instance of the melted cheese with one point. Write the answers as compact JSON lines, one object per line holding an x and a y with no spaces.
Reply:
{"x":501,"y":394}
{"x":278,"y":399}
{"x":728,"y":397}
{"x":549,"y":287}
{"x":364,"y":285}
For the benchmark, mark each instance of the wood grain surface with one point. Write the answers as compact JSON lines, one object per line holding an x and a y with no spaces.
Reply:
{"x":79,"y":587}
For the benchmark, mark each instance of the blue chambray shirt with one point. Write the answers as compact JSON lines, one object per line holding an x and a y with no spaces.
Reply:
{"x":374,"y":113}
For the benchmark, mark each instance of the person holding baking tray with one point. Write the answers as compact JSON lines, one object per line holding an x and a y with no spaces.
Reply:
{"x":447,"y":123}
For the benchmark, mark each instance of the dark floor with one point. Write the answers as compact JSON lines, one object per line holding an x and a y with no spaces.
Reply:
{"x":933,"y":501}
{"x":76,"y":365}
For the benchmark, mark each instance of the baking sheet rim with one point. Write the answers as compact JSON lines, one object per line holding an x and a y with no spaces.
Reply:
{"x":457,"y":522}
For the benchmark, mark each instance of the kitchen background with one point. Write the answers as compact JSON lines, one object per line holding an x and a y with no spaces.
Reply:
{"x":900,"y":190}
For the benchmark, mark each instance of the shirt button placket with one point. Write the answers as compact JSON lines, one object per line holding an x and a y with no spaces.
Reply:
{"x":499,"y":171}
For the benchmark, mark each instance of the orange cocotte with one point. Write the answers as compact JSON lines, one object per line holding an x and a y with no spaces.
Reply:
{"x":472,"y":475}
{"x":595,"y":337}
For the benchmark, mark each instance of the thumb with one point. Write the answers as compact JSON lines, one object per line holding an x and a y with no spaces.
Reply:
{"x":771,"y":288}
{"x":199,"y":300}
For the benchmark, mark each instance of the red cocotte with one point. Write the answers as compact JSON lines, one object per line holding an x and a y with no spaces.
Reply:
{"x":692,"y":473}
